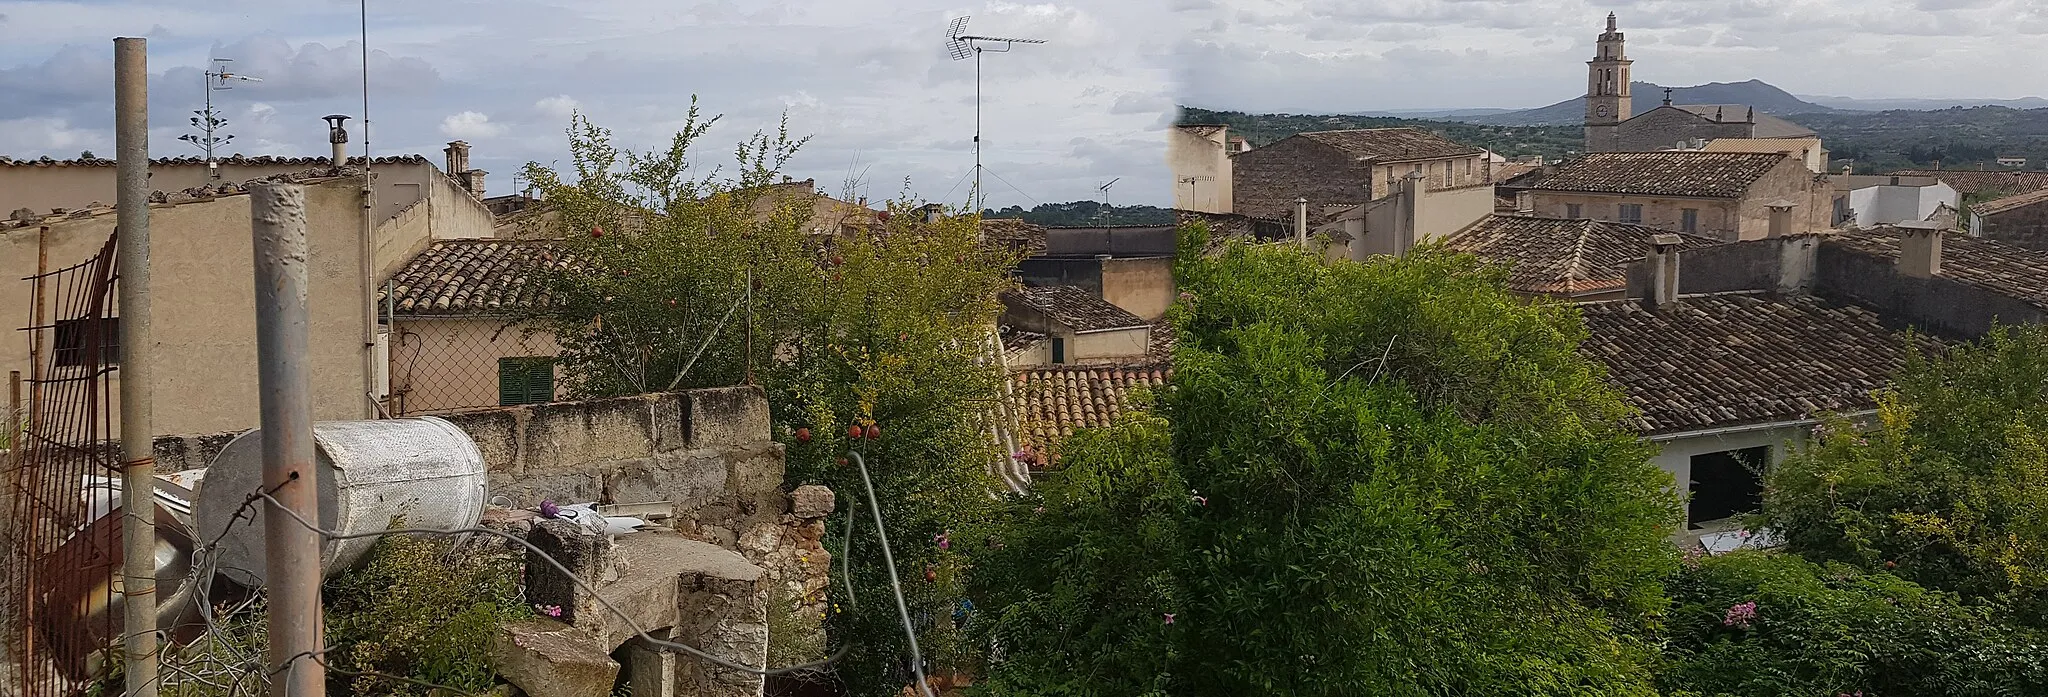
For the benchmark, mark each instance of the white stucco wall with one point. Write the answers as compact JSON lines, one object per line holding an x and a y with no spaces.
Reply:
{"x":1885,"y":204}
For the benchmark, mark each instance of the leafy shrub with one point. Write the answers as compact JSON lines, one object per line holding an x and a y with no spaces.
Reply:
{"x":1832,"y":629}
{"x":419,"y":609}
{"x":1948,"y":490}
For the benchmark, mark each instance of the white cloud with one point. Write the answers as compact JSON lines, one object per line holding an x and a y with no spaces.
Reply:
{"x":470,"y":125}
{"x":557,"y":108}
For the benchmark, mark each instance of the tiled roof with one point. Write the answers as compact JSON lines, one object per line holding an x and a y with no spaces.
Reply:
{"x":474,"y":277}
{"x":1392,"y":144}
{"x":1077,"y":308}
{"x":1972,"y":182}
{"x":258,"y":160}
{"x":1733,"y":359}
{"x":24,"y":217}
{"x":1228,"y":225}
{"x":1767,"y":126}
{"x":1784,"y":145}
{"x":1053,"y":402}
{"x":1561,"y":256}
{"x":1015,"y":234}
{"x":1704,"y":174}
{"x":1203,"y":129}
{"x":1504,"y":171}
{"x":2009,"y":270}
{"x":1996,"y":206}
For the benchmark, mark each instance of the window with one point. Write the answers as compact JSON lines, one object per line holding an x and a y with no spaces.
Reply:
{"x":1571,"y":210}
{"x":1726,"y":484}
{"x":528,"y":380}
{"x":1059,"y":351}
{"x":75,"y":338}
{"x":1631,"y":213}
{"x":1689,"y":219}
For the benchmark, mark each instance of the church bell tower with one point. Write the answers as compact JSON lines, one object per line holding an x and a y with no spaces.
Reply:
{"x":1607,"y":93}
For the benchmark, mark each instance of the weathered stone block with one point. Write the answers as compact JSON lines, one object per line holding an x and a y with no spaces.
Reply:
{"x":544,"y":658}
{"x":581,"y":433}
{"x":584,"y":552}
{"x":811,"y":501}
{"x":496,"y":433}
{"x":726,"y":615}
{"x":728,"y":416}
{"x":669,"y":415}
{"x":690,"y":478}
{"x":527,"y":491}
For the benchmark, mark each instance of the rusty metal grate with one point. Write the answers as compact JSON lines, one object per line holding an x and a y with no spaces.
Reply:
{"x":62,"y":549}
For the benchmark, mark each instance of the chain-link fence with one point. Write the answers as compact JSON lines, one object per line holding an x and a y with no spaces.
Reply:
{"x":445,"y":363}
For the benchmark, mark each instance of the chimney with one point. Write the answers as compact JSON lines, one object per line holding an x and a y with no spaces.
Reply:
{"x":1301,"y":222}
{"x":1848,"y":170}
{"x":473,"y":180}
{"x":1919,"y":248}
{"x":1663,"y":262}
{"x":1781,"y":218}
{"x":458,"y":159}
{"x":933,"y":211}
{"x":1413,"y":188}
{"x":1525,"y":203}
{"x":337,"y":136}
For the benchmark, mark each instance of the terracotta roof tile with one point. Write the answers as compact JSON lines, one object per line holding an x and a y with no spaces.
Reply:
{"x":1015,"y":234}
{"x":1077,"y":308}
{"x":201,"y":161}
{"x":2010,"y":270}
{"x":474,"y":277}
{"x":1734,"y":359}
{"x":1053,"y":402}
{"x":1973,"y":182}
{"x":1561,"y":256}
{"x":1692,"y":173}
{"x":1392,"y":144}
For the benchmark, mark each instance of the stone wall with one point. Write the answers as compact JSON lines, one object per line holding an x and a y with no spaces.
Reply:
{"x":1736,"y":266}
{"x":1938,"y":304}
{"x":1662,"y":128}
{"x":1266,"y":180}
{"x":2026,"y":226}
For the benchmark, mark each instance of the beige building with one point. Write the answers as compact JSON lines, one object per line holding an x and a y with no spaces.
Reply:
{"x":1199,"y":157}
{"x":1335,"y":170}
{"x":455,"y":342}
{"x":1073,"y":326}
{"x":1411,"y":214}
{"x":1727,"y":196}
{"x":202,"y":276}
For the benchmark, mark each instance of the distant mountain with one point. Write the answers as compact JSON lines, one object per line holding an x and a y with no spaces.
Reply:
{"x":1855,"y":104}
{"x":1756,"y":93}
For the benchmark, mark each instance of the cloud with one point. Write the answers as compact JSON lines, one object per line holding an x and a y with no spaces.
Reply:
{"x":470,"y":125}
{"x":558,"y":108}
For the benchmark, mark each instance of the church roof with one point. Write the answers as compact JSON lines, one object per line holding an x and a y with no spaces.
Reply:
{"x":1767,"y":126}
{"x":1681,"y":173}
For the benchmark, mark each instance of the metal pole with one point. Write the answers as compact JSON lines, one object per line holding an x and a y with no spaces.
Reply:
{"x":138,"y":469}
{"x":979,"y":197}
{"x":291,"y":551}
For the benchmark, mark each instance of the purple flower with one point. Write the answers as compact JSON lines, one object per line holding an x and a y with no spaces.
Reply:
{"x":1741,"y":615}
{"x":1169,"y":618}
{"x":548,"y":509}
{"x":549,"y":610}
{"x":945,"y":539}
{"x":1040,"y":509}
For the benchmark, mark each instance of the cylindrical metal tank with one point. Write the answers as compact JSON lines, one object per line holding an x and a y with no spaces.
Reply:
{"x":371,"y":473}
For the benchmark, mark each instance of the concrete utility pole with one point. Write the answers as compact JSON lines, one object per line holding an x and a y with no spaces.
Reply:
{"x":138,"y":448}
{"x":291,"y":550}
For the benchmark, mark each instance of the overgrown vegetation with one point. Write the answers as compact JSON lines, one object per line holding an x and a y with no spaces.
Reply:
{"x":1400,"y":480}
{"x":881,"y":329}
{"x":421,"y":610}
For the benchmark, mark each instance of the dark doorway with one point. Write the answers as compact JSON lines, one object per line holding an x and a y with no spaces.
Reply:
{"x":1727,"y":483}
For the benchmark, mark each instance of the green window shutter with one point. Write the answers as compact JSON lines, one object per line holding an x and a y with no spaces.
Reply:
{"x":512,"y":376}
{"x":540,"y":380}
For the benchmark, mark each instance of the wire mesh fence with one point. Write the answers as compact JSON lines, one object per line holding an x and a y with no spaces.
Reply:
{"x":447,"y":363}
{"x":62,"y":546}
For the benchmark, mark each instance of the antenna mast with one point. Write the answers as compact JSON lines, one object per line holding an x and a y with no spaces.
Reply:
{"x":961,"y":45}
{"x":1105,"y":201}
{"x":209,"y":121}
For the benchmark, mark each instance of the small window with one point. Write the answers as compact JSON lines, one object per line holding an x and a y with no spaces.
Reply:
{"x":529,"y":380}
{"x":1689,"y":219}
{"x":1631,"y":213}
{"x":1571,"y":210}
{"x":75,"y":338}
{"x":1059,"y":351}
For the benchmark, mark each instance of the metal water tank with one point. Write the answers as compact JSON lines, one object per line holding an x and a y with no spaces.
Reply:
{"x":371,"y":473}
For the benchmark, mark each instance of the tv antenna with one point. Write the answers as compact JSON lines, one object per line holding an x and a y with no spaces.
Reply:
{"x":962,"y":45}
{"x":1190,"y":181}
{"x":209,"y":121}
{"x":1105,"y":200}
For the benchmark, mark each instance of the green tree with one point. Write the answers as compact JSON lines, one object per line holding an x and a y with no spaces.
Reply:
{"x":1761,"y":624}
{"x":1949,"y":487}
{"x":673,"y":276}
{"x":1410,"y":484}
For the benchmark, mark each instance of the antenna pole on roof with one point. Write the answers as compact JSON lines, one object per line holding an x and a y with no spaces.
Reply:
{"x":208,"y":121}
{"x":961,"y":46}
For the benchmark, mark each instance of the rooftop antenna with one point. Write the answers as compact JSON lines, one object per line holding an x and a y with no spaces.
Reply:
{"x":208,"y":121}
{"x":1190,"y":181}
{"x":1105,"y":200}
{"x":961,"y":45}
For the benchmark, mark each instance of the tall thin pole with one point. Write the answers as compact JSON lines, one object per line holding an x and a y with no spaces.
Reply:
{"x":980,"y":197}
{"x":138,"y":469}
{"x":368,"y":230}
{"x":291,"y":552}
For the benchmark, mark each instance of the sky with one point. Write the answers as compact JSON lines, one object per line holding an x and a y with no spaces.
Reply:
{"x":871,"y":83}
{"x":1323,"y":56}
{"x":869,"y":80}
